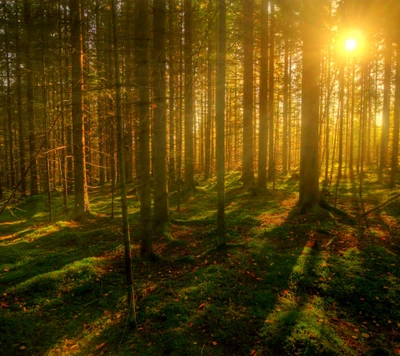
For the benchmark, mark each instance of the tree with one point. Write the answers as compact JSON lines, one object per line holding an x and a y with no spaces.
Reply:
{"x":220,"y":119}
{"x":247,"y":163}
{"x":80,"y":185}
{"x":160,"y":117}
{"x":263,"y":109}
{"x":310,"y":28}
{"x":122,"y":177}
{"x":189,"y":157}
{"x":34,"y":186}
{"x":142,"y":80}
{"x":395,"y":150}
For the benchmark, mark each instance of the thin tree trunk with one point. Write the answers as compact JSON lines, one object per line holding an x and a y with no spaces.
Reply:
{"x":189,"y":145}
{"x":263,"y":107}
{"x":160,"y":117}
{"x":248,"y":24}
{"x":220,"y":120}
{"x":142,"y":79}
{"x":386,"y":108}
{"x":122,"y":177}
{"x":81,"y":192}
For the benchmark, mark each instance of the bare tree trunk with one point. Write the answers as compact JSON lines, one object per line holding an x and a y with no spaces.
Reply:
{"x":386,"y":108}
{"x":220,"y":120}
{"x":142,"y":79}
{"x":189,"y":146}
{"x":248,"y":24}
{"x":309,"y":185}
{"x":160,"y":118}
{"x":34,"y":187}
{"x":263,"y":109}
{"x":122,"y":177}
{"x":81,"y":192}
{"x":395,"y":151}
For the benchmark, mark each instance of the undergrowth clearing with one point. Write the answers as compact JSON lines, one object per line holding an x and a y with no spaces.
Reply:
{"x":294,"y":285}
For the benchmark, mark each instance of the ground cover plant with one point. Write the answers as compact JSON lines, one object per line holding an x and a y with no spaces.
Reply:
{"x":292,"y":284}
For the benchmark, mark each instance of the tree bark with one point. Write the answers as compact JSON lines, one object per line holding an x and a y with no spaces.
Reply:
{"x":311,"y":28}
{"x":248,"y":24}
{"x":160,"y":117}
{"x":220,"y":120}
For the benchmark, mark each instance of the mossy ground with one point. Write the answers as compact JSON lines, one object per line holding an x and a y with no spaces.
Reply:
{"x":277,"y":293}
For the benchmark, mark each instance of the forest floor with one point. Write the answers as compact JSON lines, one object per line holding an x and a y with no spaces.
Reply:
{"x":278,"y":292}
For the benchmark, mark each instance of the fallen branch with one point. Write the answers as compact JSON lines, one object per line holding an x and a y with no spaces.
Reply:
{"x":381,"y":205}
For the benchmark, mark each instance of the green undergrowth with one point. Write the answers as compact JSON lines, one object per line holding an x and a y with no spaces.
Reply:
{"x":284,"y":285}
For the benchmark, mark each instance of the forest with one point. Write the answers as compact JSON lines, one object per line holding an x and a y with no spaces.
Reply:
{"x":199,"y":177}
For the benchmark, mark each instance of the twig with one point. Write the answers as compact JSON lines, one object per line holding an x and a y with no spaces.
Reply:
{"x":381,"y":205}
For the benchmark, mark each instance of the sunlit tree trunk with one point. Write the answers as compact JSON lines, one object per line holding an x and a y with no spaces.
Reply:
{"x":189,"y":146}
{"x":160,"y":117}
{"x":80,"y":185}
{"x":310,"y":26}
{"x":386,"y":108}
{"x":271,"y":99}
{"x":263,"y":108}
{"x":122,"y":177}
{"x":209,"y":99}
{"x":220,"y":120}
{"x":172,"y":78}
{"x":248,"y":24}
{"x":34,"y":187}
{"x":395,"y":150}
{"x":142,"y":79}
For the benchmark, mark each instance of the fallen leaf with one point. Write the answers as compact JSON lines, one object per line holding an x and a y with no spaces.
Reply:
{"x":22,"y":347}
{"x":201,"y":306}
{"x":214,"y":343}
{"x":365,"y":335}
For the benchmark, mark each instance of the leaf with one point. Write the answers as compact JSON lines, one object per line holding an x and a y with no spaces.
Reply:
{"x":201,"y":306}
{"x":22,"y":347}
{"x":215,"y":343}
{"x":365,"y":335}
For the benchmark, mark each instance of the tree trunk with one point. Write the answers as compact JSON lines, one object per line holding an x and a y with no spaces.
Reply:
{"x":34,"y":187}
{"x":160,"y":117}
{"x":386,"y":108}
{"x":263,"y":109}
{"x":121,"y":159}
{"x":189,"y":155}
{"x":142,"y":79}
{"x":247,"y":165}
{"x":309,"y":185}
{"x":220,"y":120}
{"x":395,"y":151}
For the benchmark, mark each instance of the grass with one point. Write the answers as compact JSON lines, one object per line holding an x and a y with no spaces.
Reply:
{"x":62,"y":288}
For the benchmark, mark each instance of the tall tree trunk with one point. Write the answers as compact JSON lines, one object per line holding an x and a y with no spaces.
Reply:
{"x":172,"y":78}
{"x":271,"y":149}
{"x":309,"y":186}
{"x":209,"y":97}
{"x":386,"y":107}
{"x":285,"y":136}
{"x":160,"y":117}
{"x":21,"y":126}
{"x":220,"y":120}
{"x":81,"y":192}
{"x":189,"y":155}
{"x":263,"y":108}
{"x":9,"y":112}
{"x":142,"y":79}
{"x":34,"y":187}
{"x":248,"y":24}
{"x":395,"y":151}
{"x":122,"y":177}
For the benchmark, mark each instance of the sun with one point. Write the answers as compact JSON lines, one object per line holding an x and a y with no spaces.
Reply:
{"x":351,"y":44}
